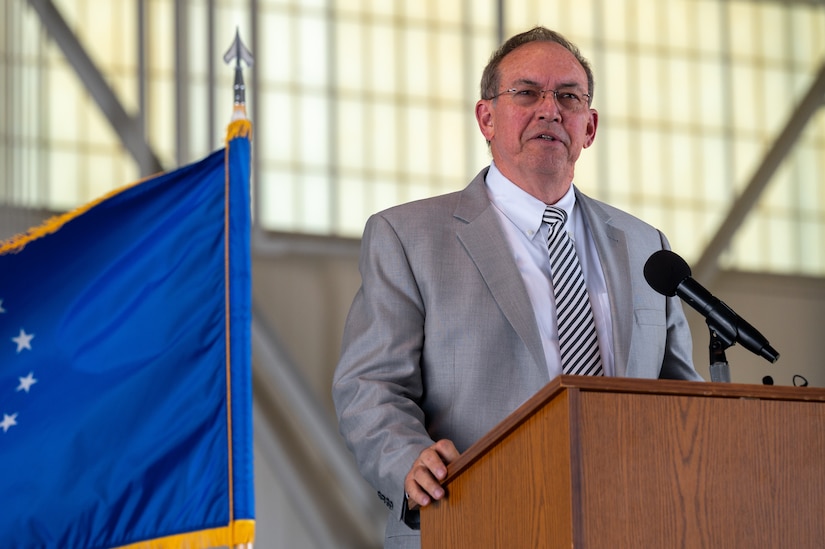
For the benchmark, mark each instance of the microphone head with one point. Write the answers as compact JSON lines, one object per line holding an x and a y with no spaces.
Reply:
{"x":665,"y":270}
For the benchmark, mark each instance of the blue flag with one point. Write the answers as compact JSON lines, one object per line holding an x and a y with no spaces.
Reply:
{"x":125,"y":366}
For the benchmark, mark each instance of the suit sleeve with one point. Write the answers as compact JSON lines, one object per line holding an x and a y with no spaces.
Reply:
{"x":378,"y":381}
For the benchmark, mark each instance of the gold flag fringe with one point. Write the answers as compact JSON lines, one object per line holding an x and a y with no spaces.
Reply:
{"x":53,"y":224}
{"x":238,"y":532}
{"x":237,"y":128}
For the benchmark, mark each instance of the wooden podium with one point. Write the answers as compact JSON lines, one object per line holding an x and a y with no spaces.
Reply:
{"x":624,"y":463}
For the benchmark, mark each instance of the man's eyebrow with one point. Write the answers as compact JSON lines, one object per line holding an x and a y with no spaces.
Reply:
{"x":562,"y":86}
{"x":575,"y":85}
{"x":526,"y":82}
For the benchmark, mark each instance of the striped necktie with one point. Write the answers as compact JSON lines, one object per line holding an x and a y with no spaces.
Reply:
{"x":577,"y":331}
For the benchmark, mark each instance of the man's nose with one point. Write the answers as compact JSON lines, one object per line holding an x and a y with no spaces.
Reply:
{"x":548,"y":106}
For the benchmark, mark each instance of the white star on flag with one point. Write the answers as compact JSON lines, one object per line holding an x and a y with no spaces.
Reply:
{"x":27,"y":382}
{"x":23,"y":340}
{"x":2,"y":310}
{"x":8,"y":421}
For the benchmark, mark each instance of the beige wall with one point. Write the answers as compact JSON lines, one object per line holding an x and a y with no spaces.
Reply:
{"x":788,"y":310}
{"x":304,"y":297}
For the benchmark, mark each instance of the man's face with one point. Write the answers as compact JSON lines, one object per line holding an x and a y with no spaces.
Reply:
{"x":540,"y":141}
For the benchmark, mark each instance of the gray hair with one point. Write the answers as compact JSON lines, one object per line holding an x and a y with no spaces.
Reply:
{"x":490,"y":78}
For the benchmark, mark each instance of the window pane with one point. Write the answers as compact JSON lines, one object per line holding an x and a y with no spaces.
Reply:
{"x":362,"y":104}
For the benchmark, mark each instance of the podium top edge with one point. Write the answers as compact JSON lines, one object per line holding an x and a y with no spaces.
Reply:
{"x":680,"y":387}
{"x":590,"y":384}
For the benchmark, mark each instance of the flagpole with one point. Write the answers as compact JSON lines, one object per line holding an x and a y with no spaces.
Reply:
{"x":239,"y":122}
{"x":238,"y":52}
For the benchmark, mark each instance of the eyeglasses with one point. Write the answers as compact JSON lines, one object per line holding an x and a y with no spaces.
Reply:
{"x":530,"y":97}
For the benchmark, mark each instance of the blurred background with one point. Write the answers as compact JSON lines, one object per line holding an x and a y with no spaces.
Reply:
{"x":710,"y":128}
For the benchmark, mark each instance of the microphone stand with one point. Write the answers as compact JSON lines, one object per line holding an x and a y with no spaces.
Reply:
{"x":719,"y":369}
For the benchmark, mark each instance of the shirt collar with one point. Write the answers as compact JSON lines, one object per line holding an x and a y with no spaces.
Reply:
{"x":523,"y":209}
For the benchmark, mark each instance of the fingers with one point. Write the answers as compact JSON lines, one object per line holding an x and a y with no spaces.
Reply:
{"x":423,"y":483}
{"x":446,"y":450}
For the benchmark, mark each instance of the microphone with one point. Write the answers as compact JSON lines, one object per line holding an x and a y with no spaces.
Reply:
{"x":669,"y":274}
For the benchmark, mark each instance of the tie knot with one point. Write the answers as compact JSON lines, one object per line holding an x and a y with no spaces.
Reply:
{"x":555,"y":217}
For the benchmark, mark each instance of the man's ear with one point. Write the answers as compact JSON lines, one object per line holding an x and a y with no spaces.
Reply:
{"x":484,"y":117}
{"x":592,"y":125}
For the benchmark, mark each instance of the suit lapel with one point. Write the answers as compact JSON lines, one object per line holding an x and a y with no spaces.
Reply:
{"x":484,"y":241}
{"x":611,"y":244}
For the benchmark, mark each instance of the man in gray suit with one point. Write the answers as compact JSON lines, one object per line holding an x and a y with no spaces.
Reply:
{"x":455,"y":325}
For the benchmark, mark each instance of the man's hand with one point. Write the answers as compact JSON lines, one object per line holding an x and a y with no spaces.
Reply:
{"x":423,"y":482}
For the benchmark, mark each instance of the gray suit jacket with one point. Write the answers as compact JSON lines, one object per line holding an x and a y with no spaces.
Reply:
{"x":442,"y":342}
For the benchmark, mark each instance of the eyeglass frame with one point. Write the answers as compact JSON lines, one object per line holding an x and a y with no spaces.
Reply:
{"x":513,"y":91}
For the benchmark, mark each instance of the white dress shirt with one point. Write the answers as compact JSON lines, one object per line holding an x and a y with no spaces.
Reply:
{"x":521,"y":218}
